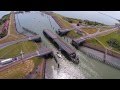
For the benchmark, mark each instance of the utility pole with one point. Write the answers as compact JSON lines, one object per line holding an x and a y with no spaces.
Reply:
{"x":21,"y":54}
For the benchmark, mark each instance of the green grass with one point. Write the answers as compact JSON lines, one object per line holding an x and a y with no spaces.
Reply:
{"x":18,"y":71}
{"x":90,"y":30}
{"x":21,"y":70}
{"x":105,"y":38}
{"x":14,"y":50}
{"x":73,"y":34}
{"x":71,"y":20}
{"x":63,"y":22}
{"x":37,"y":61}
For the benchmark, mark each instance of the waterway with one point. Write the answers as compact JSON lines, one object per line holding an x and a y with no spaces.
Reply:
{"x":88,"y":68}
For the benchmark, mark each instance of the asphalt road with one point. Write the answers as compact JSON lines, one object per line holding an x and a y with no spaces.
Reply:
{"x":17,"y":41}
{"x":43,"y":51}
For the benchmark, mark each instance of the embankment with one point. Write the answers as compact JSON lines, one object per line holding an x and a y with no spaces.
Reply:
{"x":62,"y":23}
{"x":101,"y":49}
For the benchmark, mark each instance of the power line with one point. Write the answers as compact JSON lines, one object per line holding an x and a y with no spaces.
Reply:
{"x":109,"y":16}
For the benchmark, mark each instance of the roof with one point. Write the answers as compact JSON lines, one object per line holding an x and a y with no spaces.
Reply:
{"x":78,"y":40}
{"x":60,"y":42}
{"x":44,"y":51}
{"x":50,"y":33}
{"x":35,"y":37}
{"x":65,"y":46}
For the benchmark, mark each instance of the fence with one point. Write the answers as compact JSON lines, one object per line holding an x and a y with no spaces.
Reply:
{"x":101,"y":59}
{"x":101,"y":49}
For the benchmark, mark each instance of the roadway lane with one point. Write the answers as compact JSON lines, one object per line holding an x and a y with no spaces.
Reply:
{"x":17,"y":41}
{"x":43,"y":51}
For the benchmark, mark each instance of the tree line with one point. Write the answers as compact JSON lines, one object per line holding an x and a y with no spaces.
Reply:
{"x":87,"y":22}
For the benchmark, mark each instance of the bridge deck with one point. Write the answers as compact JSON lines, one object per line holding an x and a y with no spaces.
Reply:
{"x":61,"y":43}
{"x":81,"y":39}
{"x":51,"y":34}
{"x":64,"y":30}
{"x":44,"y":51}
{"x":64,"y":46}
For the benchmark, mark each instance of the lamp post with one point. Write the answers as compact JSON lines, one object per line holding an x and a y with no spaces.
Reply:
{"x":21,"y":54}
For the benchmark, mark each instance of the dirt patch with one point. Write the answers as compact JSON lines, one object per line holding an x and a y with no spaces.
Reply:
{"x":90,"y":30}
{"x":18,"y":71}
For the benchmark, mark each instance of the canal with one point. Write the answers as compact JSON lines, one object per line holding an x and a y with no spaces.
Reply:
{"x":88,"y":68}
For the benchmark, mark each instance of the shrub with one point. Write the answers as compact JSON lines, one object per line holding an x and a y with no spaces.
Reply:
{"x":114,"y":43}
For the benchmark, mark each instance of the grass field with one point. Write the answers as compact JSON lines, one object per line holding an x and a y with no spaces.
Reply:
{"x":73,"y":34}
{"x":14,"y":50}
{"x":66,"y":24}
{"x":104,"y":39}
{"x":104,"y":28}
{"x":61,"y":21}
{"x":20,"y":70}
{"x":90,"y":30}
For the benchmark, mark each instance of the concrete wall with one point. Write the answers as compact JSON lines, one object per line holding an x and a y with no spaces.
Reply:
{"x":99,"y":48}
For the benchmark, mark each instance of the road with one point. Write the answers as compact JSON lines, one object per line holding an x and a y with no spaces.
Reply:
{"x":43,"y":51}
{"x":17,"y":41}
{"x":89,"y":36}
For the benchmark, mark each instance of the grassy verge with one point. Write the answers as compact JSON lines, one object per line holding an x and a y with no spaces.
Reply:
{"x":18,"y":71}
{"x":104,"y":28}
{"x":58,"y":18}
{"x":73,"y":34}
{"x":90,"y":30}
{"x":38,"y":62}
{"x":105,"y":38}
{"x":21,"y":70}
